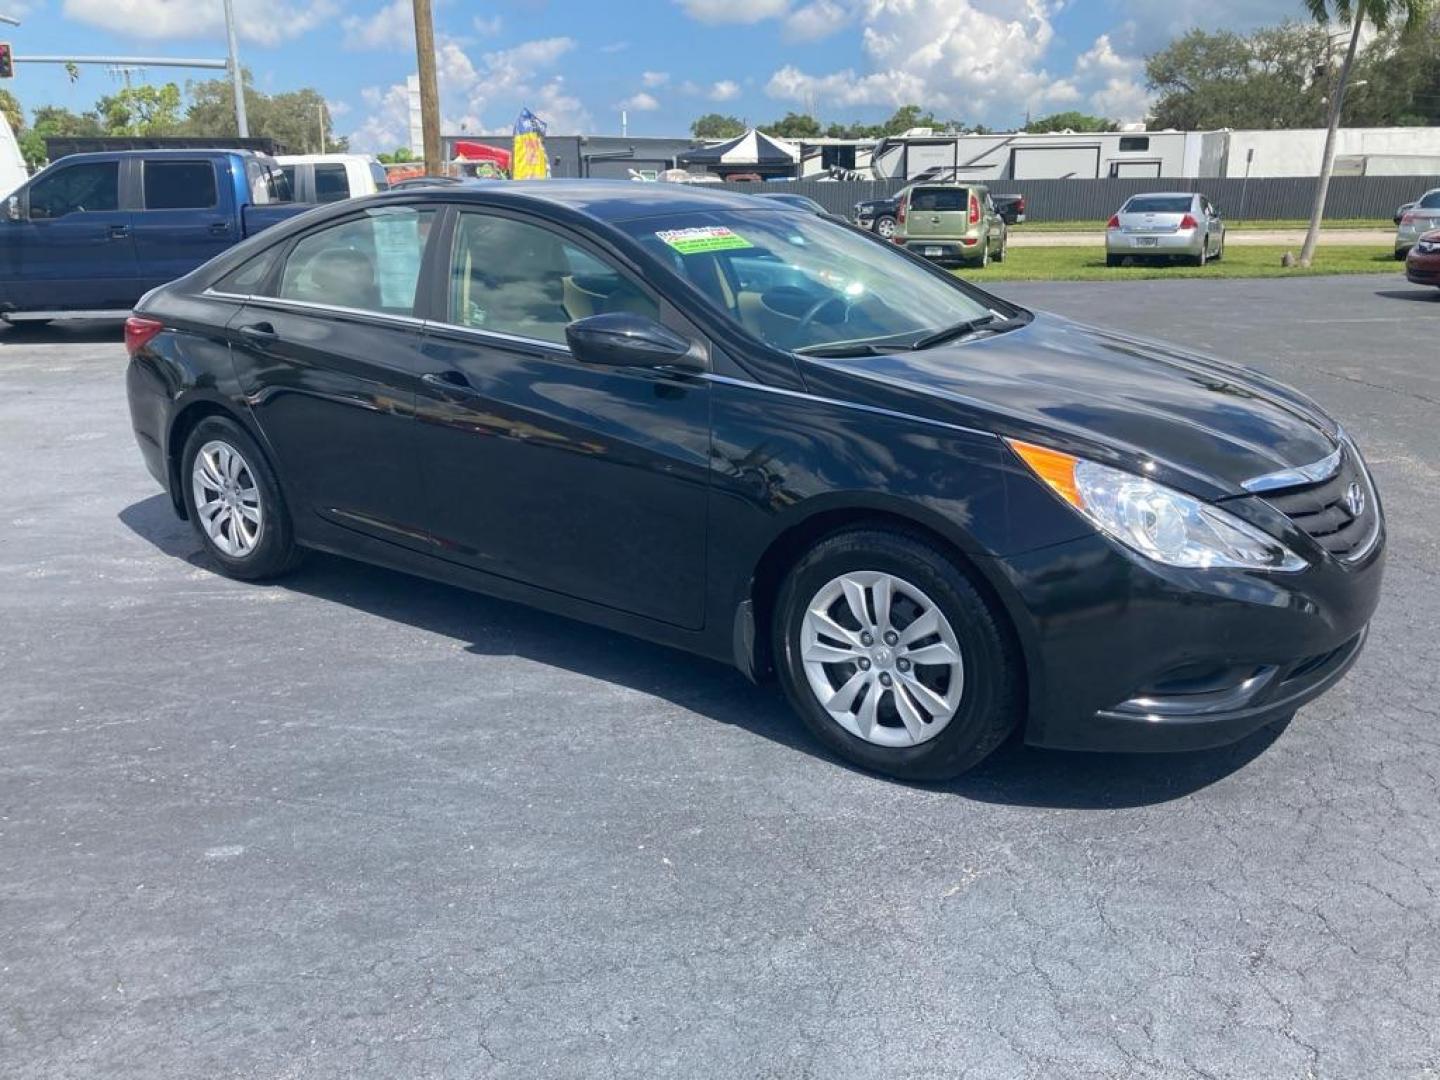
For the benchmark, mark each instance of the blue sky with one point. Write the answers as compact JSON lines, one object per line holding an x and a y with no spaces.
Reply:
{"x":578,"y":62}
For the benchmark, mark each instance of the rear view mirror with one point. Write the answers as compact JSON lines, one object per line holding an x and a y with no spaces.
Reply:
{"x":623,"y":339}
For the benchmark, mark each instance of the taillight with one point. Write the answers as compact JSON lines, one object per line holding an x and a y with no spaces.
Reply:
{"x":1408,"y":218}
{"x":139,"y":331}
{"x":902,"y":210}
{"x":1020,"y":205}
{"x":974,"y":208}
{"x":1114,"y":222}
{"x":1189,"y":222}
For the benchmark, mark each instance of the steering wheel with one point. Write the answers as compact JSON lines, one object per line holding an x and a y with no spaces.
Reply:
{"x":819,"y":306}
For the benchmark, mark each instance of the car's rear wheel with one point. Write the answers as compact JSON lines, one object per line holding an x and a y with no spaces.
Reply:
{"x":1203,"y":257}
{"x":885,"y":226}
{"x":233,"y":500}
{"x":1004,"y":247}
{"x":893,"y":658}
{"x":984,"y":259}
{"x":1114,"y":260}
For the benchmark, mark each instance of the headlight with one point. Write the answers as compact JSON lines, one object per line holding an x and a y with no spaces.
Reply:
{"x":1156,"y":521}
{"x":1425,"y":247}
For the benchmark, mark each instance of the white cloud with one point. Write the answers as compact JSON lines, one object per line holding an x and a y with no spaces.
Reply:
{"x":486,"y":27}
{"x":653,"y":79}
{"x":641,"y":102}
{"x":733,"y":11}
{"x":265,"y":22}
{"x":973,"y":60}
{"x":724,"y":90}
{"x":816,"y":20}
{"x":505,"y":79}
{"x":390,"y":27}
{"x":615,"y":47}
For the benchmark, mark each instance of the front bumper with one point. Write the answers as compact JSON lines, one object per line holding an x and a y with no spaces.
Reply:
{"x":1423,"y":269}
{"x":1124,"y":654}
{"x":1186,"y":242}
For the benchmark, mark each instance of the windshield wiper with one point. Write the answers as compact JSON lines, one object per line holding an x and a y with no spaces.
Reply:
{"x":990,"y":321}
{"x":840,"y":349}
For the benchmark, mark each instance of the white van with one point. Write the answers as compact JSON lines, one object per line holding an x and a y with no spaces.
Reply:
{"x":12,"y":163}
{"x":325,"y":178}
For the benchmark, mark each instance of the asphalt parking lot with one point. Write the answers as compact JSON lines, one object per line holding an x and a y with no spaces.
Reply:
{"x":359,"y":825}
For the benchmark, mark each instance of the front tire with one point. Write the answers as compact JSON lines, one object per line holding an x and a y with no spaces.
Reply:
{"x":892,"y":657}
{"x":234,"y":503}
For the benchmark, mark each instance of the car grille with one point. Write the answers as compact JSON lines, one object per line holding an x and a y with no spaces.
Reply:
{"x":1323,"y":513}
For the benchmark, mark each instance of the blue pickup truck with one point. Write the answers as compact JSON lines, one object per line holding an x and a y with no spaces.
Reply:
{"x":92,"y":233}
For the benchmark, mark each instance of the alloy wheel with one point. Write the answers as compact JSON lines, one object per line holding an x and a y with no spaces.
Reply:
{"x":885,"y":228}
{"x":882,"y":659}
{"x":227,"y":500}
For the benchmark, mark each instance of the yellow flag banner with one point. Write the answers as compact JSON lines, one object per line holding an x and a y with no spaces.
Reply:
{"x":529,"y":161}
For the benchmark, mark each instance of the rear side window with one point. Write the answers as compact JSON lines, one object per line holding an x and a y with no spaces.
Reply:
{"x":1159,"y":204}
{"x":369,"y":263}
{"x":331,"y":184}
{"x":77,"y":189}
{"x":940,"y":199}
{"x":1430,"y":201}
{"x":179,"y":185}
{"x":288,"y":171}
{"x":248,"y":277}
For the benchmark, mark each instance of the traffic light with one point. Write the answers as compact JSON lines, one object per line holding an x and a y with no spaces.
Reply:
{"x":7,"y":61}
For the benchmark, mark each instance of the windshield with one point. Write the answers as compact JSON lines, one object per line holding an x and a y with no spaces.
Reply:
{"x":797,"y":282}
{"x":1159,"y":204}
{"x":1431,"y":201}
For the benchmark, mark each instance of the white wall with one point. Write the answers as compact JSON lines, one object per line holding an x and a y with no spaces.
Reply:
{"x":1298,"y":153}
{"x":12,"y":162}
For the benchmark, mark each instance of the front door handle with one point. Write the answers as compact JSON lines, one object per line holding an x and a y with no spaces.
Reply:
{"x":452,"y":383}
{"x":261,"y":333}
{"x":220,"y":228}
{"x":119,"y":232}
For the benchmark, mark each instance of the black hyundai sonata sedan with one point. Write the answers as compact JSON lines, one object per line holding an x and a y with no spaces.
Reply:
{"x":771,"y":439}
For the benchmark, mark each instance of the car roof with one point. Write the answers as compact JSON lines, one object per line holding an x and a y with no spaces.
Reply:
{"x":169,"y":151}
{"x":607,"y":200}
{"x":1164,"y":195}
{"x":323,"y":159}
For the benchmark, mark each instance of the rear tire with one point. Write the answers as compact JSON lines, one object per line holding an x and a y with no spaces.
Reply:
{"x":1004,"y":247}
{"x":1114,"y":260}
{"x":885,"y":227}
{"x":984,"y":260}
{"x":910,"y":736}
{"x":233,"y":501}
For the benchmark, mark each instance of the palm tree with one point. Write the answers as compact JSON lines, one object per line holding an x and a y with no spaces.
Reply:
{"x":1356,"y":13}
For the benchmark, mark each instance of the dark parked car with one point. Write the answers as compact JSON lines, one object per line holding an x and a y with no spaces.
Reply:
{"x":775,"y":441}
{"x":93,"y":233}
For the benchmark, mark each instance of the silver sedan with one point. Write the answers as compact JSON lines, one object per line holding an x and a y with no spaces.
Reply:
{"x":1170,"y":225}
{"x":1417,"y":219}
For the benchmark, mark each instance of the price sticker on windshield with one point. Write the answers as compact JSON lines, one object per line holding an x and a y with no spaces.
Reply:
{"x":700,"y":240}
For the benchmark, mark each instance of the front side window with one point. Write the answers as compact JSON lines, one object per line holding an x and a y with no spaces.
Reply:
{"x":288,"y":171}
{"x":368,"y":263}
{"x":331,"y":184}
{"x":77,"y":189}
{"x":179,"y":185}
{"x":516,"y":278}
{"x":796,"y":281}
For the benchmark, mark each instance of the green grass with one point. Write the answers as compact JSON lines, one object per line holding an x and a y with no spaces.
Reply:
{"x":1088,"y":264}
{"x":1241,"y":226}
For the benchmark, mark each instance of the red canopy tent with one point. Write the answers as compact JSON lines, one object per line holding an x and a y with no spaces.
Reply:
{"x":474,"y":151}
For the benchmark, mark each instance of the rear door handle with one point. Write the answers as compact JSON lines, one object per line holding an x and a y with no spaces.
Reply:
{"x":262,"y":333}
{"x":119,"y":232}
{"x":452,"y":383}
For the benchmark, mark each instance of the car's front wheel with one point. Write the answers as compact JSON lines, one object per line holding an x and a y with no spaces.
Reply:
{"x":233,"y":500}
{"x":893,"y":658}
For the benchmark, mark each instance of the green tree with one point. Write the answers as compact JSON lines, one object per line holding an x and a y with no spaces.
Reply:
{"x":717,"y":126}
{"x":53,"y":121}
{"x":1070,"y":121}
{"x":1216,"y":80}
{"x":399,"y":156}
{"x":141,"y":110}
{"x":794,"y":126}
{"x":1410,"y":14}
{"x":14,"y":114}
{"x":294,"y":119}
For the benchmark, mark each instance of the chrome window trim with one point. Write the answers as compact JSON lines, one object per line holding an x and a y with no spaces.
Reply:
{"x":496,"y":336}
{"x":874,"y":410}
{"x":305,"y":307}
{"x":1316,"y":472}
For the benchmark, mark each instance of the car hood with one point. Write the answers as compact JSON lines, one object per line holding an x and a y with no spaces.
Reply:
{"x":1205,"y":425}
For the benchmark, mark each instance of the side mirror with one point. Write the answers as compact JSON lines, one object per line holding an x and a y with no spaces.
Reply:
{"x":623,"y":339}
{"x":12,"y":208}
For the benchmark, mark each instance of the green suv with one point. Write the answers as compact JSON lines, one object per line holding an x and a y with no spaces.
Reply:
{"x":951,"y":223}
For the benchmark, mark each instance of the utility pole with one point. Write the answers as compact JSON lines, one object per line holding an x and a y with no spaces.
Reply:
{"x":237,"y":79}
{"x":320,"y":116}
{"x":429,"y":87}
